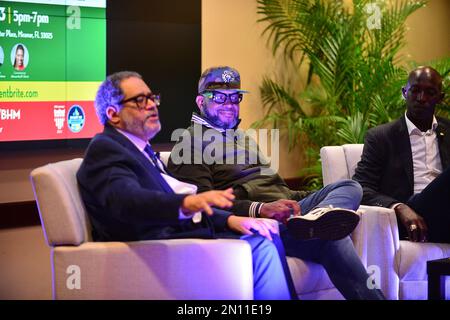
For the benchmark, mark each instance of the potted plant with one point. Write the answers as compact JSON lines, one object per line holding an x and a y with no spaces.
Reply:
{"x":355,"y":72}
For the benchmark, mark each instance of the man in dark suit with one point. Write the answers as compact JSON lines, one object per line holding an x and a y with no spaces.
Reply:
{"x":405,"y":164}
{"x":130,"y":196}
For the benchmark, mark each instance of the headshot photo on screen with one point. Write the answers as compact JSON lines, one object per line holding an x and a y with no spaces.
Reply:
{"x":19,"y":57}
{"x":2,"y":56}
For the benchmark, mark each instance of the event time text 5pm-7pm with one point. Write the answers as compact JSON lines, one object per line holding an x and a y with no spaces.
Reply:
{"x":19,"y":18}
{"x":14,"y":17}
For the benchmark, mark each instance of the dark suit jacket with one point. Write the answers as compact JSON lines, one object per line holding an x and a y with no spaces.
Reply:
{"x":127,"y":199}
{"x":386,"y":170}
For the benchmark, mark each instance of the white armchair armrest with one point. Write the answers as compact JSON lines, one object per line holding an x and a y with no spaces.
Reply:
{"x":155,"y":269}
{"x":376,"y":241}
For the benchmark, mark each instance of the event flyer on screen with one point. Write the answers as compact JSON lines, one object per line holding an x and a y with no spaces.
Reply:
{"x":52,"y":60}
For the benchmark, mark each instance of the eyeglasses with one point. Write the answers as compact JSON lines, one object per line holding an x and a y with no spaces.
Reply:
{"x":142,"y":100}
{"x":221,"y":98}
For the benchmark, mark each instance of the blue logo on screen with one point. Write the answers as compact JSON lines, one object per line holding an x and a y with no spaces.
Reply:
{"x":75,"y":118}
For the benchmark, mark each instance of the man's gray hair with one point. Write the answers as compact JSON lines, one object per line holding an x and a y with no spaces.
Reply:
{"x":110,"y":94}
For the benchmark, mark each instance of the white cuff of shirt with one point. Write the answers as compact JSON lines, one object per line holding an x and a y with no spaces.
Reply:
{"x":196,"y":217}
{"x":395,"y":205}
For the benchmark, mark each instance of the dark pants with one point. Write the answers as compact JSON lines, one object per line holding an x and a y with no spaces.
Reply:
{"x":339,"y":257}
{"x":433,"y":204}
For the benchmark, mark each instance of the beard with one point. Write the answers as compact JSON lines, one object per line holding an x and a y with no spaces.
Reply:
{"x":217,"y":122}
{"x":418,"y":111}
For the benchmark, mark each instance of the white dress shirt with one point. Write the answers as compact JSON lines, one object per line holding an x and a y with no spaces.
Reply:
{"x":177,"y":186}
{"x":425,"y":154}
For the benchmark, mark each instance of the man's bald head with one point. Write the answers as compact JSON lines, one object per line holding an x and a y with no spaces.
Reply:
{"x":425,"y":73}
{"x":422,"y":93}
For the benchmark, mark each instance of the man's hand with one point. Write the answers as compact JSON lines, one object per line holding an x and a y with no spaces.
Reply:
{"x":280,"y":210}
{"x":204,"y":201}
{"x":414,"y":224}
{"x":246,"y":225}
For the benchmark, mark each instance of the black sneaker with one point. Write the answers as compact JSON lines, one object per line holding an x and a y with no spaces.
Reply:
{"x":323,"y":223}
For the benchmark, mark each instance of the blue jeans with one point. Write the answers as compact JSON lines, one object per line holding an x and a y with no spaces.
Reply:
{"x":345,"y":194}
{"x":338,"y":257}
{"x":269,"y":277}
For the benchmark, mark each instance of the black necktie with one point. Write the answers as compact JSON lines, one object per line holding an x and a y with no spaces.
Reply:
{"x":154,"y":157}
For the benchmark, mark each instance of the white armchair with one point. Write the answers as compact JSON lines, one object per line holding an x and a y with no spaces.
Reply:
{"x":154,"y":269}
{"x":310,"y":279}
{"x":311,"y":282}
{"x":402,"y":264}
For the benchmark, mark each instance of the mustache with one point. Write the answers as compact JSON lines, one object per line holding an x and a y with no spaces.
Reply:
{"x":421,"y":105}
{"x":227,"y":110}
{"x":152,"y":114}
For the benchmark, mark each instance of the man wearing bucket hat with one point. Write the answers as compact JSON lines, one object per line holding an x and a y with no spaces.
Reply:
{"x":313,"y":227}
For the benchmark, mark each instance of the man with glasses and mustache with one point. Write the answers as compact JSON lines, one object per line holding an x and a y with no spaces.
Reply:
{"x":130,"y":196}
{"x":405,"y":164}
{"x":313,"y":227}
